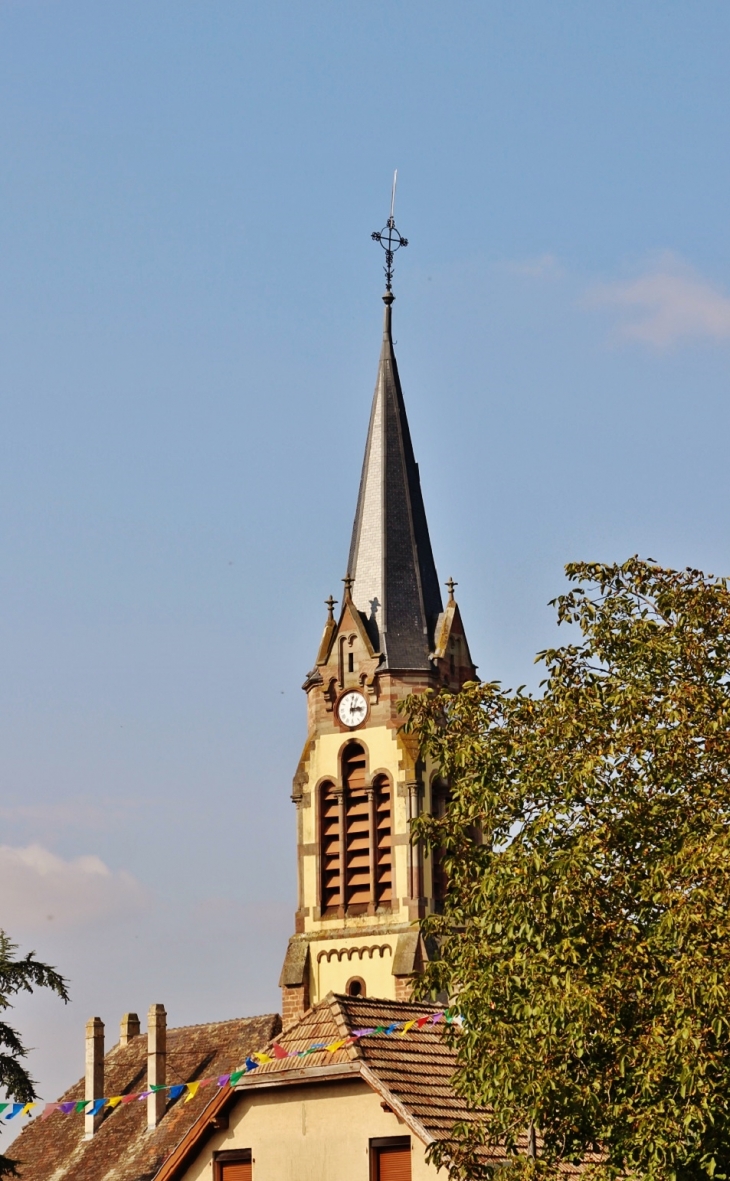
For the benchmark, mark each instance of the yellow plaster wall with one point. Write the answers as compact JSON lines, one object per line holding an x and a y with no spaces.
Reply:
{"x":315,"y":1132}
{"x":331,"y":975}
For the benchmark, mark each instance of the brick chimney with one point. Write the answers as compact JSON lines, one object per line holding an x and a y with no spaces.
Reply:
{"x":156,"y":1063}
{"x":128,"y":1028}
{"x":94,"y":1081}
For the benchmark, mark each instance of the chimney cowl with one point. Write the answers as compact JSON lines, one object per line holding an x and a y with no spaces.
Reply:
{"x":129,"y":1027}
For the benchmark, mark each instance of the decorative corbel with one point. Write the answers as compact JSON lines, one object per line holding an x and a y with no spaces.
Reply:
{"x":330,"y":693}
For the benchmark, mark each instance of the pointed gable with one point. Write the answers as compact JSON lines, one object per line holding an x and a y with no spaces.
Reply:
{"x":395,"y":582}
{"x":451,"y":649}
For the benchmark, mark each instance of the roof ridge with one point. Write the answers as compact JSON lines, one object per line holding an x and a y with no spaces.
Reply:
{"x":431,"y":1006}
{"x":343,"y":1027}
{"x":226,"y":1021}
{"x":197,"y":1025}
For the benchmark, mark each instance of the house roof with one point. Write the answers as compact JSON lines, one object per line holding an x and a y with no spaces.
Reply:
{"x":412,"y":1073}
{"x":54,"y":1149}
{"x":416,"y":1069}
{"x":395,"y":586}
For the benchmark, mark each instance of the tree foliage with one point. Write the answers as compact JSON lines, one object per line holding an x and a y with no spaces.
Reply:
{"x":586,"y":930}
{"x":17,"y":975}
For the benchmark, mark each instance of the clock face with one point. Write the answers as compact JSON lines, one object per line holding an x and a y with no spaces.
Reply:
{"x":353,"y":709}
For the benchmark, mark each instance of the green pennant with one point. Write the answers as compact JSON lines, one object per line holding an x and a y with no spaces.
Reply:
{"x":81,"y":1105}
{"x":237,"y":1076}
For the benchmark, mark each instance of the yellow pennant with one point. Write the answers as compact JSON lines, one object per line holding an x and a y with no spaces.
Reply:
{"x":27,"y":1108}
{"x":192,"y":1091}
{"x":262,"y":1058}
{"x":408,"y":1025}
{"x":114,"y":1102}
{"x":333,"y":1046}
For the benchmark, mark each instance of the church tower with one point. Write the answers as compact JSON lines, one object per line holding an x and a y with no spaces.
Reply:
{"x":361,"y":883}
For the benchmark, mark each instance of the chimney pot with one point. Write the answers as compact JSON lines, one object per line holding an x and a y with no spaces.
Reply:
{"x":156,"y":1063}
{"x":129,"y":1028}
{"x":94,"y":1077}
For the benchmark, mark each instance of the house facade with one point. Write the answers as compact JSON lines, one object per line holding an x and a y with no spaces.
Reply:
{"x":366,"y":1111}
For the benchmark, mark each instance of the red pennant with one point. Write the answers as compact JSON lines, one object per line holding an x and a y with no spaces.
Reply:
{"x":278,"y":1051}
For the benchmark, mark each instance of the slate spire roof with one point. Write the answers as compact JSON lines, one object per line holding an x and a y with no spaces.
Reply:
{"x":395,"y":582}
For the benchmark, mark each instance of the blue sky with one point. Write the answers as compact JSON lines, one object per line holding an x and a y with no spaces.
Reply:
{"x":189,"y":327}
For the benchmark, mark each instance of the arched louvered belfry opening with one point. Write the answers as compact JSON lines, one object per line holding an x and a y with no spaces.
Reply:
{"x":356,"y":840}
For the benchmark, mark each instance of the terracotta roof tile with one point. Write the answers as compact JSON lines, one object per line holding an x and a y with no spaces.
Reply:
{"x":416,"y":1069}
{"x":123,"y":1149}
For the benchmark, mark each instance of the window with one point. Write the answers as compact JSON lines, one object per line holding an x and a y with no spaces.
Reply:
{"x":356,"y":840}
{"x":233,"y":1165}
{"x":351,"y":662}
{"x":355,"y":986}
{"x":390,"y":1159}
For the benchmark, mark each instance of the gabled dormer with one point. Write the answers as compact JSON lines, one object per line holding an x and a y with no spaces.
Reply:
{"x":451,"y":651}
{"x":346,"y":658}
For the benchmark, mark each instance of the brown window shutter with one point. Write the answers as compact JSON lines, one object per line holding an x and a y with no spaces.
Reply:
{"x":238,"y":1172}
{"x":394,"y":1164}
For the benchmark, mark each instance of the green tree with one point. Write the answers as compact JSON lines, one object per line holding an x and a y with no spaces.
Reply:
{"x":586,"y":930}
{"x":19,"y":974}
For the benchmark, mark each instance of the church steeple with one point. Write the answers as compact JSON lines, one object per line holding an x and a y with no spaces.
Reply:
{"x":395,"y":582}
{"x":361,"y":779}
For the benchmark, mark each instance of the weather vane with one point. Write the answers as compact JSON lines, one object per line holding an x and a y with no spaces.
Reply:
{"x":390,"y":239}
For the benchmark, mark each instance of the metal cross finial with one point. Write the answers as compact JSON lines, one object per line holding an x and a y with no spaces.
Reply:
{"x":349,"y":582}
{"x":330,"y":604}
{"x":450,"y":584}
{"x":390,"y":239}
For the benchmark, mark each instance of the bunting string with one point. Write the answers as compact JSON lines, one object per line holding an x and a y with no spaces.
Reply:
{"x":9,"y":1111}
